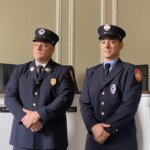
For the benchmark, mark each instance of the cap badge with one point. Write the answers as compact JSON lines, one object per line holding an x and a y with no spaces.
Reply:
{"x":31,"y":68}
{"x":41,"y":31}
{"x":47,"y":69}
{"x":138,"y":75}
{"x":53,"y":81}
{"x":113,"y":89}
{"x":107,"y":27}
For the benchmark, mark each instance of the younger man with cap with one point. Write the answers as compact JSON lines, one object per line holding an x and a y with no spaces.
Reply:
{"x":39,"y":102}
{"x":110,"y":96}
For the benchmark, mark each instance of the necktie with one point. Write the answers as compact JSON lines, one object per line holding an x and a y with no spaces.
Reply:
{"x":107,"y":66}
{"x":39,"y":70}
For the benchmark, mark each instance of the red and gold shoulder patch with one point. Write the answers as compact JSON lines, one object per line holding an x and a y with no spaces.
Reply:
{"x":138,"y":74}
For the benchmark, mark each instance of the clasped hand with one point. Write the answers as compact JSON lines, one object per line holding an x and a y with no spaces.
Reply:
{"x":99,"y":133}
{"x":32,"y":120}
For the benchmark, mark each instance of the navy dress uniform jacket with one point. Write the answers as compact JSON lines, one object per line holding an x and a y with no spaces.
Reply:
{"x":51,"y":94}
{"x":113,"y":101}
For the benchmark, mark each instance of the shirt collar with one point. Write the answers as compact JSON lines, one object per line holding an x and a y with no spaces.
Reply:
{"x":37,"y":64}
{"x":112,"y":63}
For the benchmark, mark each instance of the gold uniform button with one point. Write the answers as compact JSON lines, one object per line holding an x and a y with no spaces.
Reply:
{"x":37,"y":82}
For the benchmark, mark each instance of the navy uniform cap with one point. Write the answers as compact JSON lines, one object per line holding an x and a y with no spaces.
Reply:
{"x":111,"y":31}
{"x":45,"y":35}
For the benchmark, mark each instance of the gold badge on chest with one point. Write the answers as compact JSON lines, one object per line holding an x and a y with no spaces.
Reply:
{"x":53,"y":81}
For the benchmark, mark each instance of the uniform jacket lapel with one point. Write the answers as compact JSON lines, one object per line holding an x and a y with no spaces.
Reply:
{"x":32,"y":70}
{"x":114,"y":72}
{"x":98,"y":78}
{"x":47,"y":70}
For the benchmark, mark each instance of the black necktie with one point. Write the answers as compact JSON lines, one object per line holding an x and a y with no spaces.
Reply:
{"x":39,"y":70}
{"x":107,"y":66}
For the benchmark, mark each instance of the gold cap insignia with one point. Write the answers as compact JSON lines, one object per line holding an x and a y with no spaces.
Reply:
{"x":53,"y":81}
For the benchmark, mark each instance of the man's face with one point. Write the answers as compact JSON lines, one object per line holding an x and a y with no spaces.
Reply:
{"x":42,"y":51}
{"x":110,"y":48}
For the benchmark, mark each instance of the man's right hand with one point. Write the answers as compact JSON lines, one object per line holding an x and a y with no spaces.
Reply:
{"x":99,"y":133}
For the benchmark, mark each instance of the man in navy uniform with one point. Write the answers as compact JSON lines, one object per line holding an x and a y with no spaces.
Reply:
{"x":39,"y":101}
{"x":110,"y":96}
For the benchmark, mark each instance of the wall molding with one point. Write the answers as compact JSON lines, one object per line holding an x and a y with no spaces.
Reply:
{"x":58,"y":31}
{"x":103,"y":6}
{"x":103,"y":12}
{"x":58,"y":54}
{"x":71,"y":34}
{"x":114,"y":12}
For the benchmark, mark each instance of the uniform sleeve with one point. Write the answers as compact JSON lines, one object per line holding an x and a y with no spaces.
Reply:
{"x":130,"y":101}
{"x":62,"y":101}
{"x":86,"y":107}
{"x":12,"y":100}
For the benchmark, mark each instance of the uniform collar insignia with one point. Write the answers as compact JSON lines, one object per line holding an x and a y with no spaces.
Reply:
{"x":47,"y":69}
{"x":32,"y":68}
